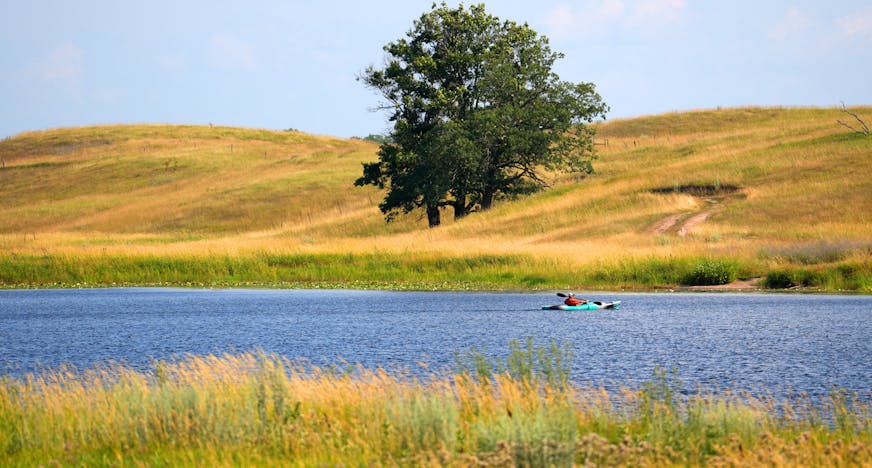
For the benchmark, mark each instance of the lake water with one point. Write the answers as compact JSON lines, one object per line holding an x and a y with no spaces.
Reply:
{"x":802,"y":343}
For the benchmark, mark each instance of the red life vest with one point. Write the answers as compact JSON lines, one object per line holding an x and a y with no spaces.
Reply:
{"x":571,"y":301}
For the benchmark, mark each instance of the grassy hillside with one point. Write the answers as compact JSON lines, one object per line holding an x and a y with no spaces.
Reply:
{"x":701,"y":197}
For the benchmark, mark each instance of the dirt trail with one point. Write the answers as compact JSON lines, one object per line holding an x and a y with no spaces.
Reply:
{"x":673,"y":224}
{"x":664,"y":224}
{"x":693,"y":222}
{"x":709,"y":197}
{"x":682,"y":224}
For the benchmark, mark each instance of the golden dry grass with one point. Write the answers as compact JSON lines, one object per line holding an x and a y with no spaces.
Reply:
{"x":258,"y":409}
{"x":182,"y":190}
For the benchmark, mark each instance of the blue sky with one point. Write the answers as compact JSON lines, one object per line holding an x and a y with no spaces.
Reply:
{"x":293,"y":64}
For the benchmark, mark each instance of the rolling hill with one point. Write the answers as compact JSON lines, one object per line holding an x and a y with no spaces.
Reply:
{"x":778,"y":193}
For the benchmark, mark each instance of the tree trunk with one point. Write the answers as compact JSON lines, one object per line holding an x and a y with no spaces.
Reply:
{"x":487,"y":198}
{"x":433,"y":217}
{"x":459,"y":204}
{"x":490,"y":184}
{"x":460,"y":209}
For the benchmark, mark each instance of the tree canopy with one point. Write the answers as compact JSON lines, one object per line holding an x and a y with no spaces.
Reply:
{"x":478,"y":113}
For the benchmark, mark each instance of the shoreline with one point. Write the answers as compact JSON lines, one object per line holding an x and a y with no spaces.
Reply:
{"x":750,"y":286}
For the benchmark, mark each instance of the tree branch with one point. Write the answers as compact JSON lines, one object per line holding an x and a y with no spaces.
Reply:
{"x":865,"y":128}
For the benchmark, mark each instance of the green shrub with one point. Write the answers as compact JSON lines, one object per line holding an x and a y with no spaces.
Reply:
{"x":710,"y":273}
{"x":808,"y":278}
{"x":778,"y":279}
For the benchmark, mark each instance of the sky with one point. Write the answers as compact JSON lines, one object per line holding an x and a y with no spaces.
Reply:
{"x":294,"y":64}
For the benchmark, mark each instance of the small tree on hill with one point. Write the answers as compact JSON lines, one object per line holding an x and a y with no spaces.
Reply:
{"x":478,"y":113}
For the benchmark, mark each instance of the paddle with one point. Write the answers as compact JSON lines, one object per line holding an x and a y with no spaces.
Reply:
{"x":583,"y":301}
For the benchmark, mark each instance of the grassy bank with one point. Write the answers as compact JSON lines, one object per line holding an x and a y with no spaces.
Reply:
{"x":262,"y":409}
{"x":420,"y":270}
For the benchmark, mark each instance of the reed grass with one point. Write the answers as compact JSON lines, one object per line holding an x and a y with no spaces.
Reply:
{"x":262,"y":409}
{"x":425,"y":270}
{"x":384,"y":270}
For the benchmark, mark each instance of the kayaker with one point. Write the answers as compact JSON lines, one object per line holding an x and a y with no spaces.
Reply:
{"x":572,"y":301}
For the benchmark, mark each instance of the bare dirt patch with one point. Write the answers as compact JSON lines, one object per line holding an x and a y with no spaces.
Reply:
{"x":693,"y":222}
{"x":750,"y":284}
{"x":665,"y":224}
{"x":712,"y":194}
{"x":699,"y":190}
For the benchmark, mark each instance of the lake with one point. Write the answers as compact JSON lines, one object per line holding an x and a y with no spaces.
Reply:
{"x":754,"y":342}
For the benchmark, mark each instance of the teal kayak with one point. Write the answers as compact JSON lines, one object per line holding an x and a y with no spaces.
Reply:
{"x":590,"y":305}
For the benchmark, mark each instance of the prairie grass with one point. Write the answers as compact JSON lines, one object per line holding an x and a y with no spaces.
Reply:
{"x":262,"y":409}
{"x":797,"y":182}
{"x":813,"y":253}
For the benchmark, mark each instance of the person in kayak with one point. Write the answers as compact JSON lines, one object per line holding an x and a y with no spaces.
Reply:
{"x":572,"y":301}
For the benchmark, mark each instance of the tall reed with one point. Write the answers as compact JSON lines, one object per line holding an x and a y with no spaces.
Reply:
{"x":259,"y":408}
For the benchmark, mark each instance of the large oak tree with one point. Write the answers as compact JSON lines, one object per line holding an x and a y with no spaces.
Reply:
{"x":478,"y":113}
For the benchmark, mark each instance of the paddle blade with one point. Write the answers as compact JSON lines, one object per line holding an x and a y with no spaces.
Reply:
{"x":562,"y":295}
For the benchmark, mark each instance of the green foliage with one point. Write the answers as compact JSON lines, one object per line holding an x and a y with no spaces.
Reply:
{"x":778,"y":279}
{"x":641,"y":272}
{"x":852,"y":276}
{"x":377,"y":138}
{"x":477,"y":113}
{"x":710,"y":272}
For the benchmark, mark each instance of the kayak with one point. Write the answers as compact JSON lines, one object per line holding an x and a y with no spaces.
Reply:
{"x":590,"y":305}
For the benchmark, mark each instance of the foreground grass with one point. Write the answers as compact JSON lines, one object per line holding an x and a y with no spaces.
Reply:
{"x":260,"y":409}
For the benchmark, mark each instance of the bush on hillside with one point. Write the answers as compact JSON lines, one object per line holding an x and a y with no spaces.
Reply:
{"x":710,"y":273}
{"x":778,"y":279}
